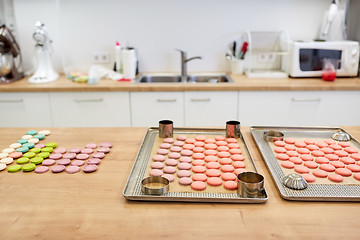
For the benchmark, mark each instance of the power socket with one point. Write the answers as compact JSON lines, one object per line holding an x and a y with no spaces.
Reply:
{"x":266,"y":57}
{"x":100,"y":57}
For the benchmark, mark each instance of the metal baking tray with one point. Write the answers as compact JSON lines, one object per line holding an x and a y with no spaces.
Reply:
{"x":132,"y":190}
{"x":314,"y":192}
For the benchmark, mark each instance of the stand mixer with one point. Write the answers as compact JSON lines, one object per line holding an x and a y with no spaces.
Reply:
{"x":10,"y":57}
{"x":45,"y":71}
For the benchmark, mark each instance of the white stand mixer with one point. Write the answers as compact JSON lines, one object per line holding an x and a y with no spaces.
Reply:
{"x":45,"y":71}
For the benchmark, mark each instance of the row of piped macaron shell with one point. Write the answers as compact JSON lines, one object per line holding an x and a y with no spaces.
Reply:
{"x":214,"y":161}
{"x":75,"y":158}
{"x":61,"y":159}
{"x":38,"y":154}
{"x":23,"y":145}
{"x":72,"y":160}
{"x":322,"y":159}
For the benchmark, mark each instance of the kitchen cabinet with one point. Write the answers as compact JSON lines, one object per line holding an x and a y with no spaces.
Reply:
{"x":210,"y":108}
{"x":299,"y":108}
{"x":25,"y":110}
{"x":90,"y":109}
{"x":147,"y":108}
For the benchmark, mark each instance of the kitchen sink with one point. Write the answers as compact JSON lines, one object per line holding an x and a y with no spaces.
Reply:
{"x":192,"y":78}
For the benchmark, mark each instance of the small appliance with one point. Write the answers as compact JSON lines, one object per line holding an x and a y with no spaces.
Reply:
{"x":306,"y":59}
{"x":10,"y":57}
{"x":45,"y":71}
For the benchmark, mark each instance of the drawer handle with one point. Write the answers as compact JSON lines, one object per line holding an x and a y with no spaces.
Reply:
{"x":166,"y":100}
{"x":200,"y":99}
{"x":306,"y":99}
{"x":89,"y":99}
{"x":11,"y":100}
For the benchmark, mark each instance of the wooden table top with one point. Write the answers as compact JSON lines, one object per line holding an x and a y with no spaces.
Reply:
{"x":241,"y":83}
{"x":91,"y":206}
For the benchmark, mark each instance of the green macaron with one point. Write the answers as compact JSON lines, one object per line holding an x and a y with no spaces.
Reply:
{"x":44,"y":154}
{"x":14,"y":168}
{"x":22,"y":160}
{"x":37,"y":160}
{"x":47,"y":149}
{"x":28,"y":167}
{"x":35,"y":150}
{"x":29,"y":154}
{"x":52,"y":144}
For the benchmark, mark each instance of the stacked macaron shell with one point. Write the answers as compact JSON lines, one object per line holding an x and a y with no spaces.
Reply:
{"x":28,"y":154}
{"x":319,"y":160}
{"x":199,"y":162}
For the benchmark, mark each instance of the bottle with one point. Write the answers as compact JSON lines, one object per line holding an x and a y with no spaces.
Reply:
{"x":118,"y":56}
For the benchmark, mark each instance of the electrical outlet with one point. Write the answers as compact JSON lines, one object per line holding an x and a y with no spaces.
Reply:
{"x":266,"y":57}
{"x":100,"y":57}
{"x":271,"y":57}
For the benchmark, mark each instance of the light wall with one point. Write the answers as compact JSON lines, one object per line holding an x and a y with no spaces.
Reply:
{"x":157,"y":27}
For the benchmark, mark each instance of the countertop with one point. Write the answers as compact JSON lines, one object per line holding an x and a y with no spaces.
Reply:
{"x":91,"y":206}
{"x":242,"y":83}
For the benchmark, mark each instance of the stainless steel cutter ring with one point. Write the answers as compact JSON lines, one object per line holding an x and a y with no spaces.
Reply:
{"x":158,"y":189}
{"x":272,"y":136}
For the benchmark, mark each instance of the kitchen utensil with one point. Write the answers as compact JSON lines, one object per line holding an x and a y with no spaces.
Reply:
{"x":273,"y":136}
{"x":45,"y":71}
{"x":341,"y":136}
{"x":251,"y":185}
{"x":165,"y":128}
{"x":232,"y":129}
{"x":10,"y":57}
{"x":295,"y":181}
{"x":154,"y":185}
{"x":243,"y":50}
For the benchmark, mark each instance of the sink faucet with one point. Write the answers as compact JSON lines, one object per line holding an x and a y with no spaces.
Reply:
{"x":184,"y":60}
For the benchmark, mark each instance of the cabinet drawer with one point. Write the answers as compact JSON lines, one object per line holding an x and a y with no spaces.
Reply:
{"x":90,"y":109}
{"x":25,"y":110}
{"x":331,"y":108}
{"x":147,"y":108}
{"x":210,"y":108}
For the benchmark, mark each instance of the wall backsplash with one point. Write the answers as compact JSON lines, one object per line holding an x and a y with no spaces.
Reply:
{"x":156,"y":27}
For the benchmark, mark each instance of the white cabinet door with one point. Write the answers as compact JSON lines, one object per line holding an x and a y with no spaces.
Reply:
{"x":300,"y":108}
{"x":206,"y":109}
{"x":25,"y":110}
{"x":147,"y":108}
{"x":90,"y":109}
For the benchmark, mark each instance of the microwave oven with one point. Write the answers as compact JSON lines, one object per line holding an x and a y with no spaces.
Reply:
{"x":305,"y":59}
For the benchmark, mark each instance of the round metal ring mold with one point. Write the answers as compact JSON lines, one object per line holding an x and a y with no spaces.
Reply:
{"x":272,"y":136}
{"x":154,"y":191}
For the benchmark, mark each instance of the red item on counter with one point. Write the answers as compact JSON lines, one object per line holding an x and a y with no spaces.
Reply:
{"x":124,"y":80}
{"x":328,"y":75}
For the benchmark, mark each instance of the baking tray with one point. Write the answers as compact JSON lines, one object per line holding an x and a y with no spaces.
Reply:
{"x":132,"y":190}
{"x":314,"y":192}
